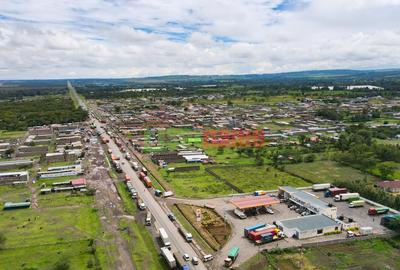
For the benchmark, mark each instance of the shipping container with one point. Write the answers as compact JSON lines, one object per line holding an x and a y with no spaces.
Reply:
{"x":319,"y":187}
{"x":256,"y":235}
{"x":252,"y":228}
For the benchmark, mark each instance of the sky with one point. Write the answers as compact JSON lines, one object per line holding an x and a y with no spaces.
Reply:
{"x":47,"y":39}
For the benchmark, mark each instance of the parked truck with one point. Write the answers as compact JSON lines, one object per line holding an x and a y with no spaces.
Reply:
{"x":140,"y":204}
{"x":332,"y":192}
{"x":169,"y":257}
{"x":233,"y":254}
{"x":346,"y":196}
{"x":188,"y":236}
{"x":377,"y":211}
{"x":259,"y":192}
{"x":357,"y":203}
{"x":320,"y":187}
{"x":164,"y":238}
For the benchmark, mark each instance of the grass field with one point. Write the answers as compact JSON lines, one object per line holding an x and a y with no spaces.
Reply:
{"x":64,"y":199}
{"x":144,"y":253}
{"x":40,"y":238}
{"x":375,"y":254}
{"x":250,"y":178}
{"x":4,"y":134}
{"x":195,"y":184}
{"x":325,"y":172}
{"x":13,"y":194}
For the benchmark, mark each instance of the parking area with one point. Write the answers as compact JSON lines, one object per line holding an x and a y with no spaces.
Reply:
{"x":281,"y":212}
{"x":358,"y":214}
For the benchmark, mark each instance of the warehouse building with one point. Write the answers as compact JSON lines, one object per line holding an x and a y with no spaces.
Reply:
{"x":308,"y":226}
{"x":14,"y":164}
{"x":307,"y":201}
{"x":9,"y":178}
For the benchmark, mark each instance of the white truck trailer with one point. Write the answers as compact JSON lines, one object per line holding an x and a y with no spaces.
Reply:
{"x":346,"y":196}
{"x":169,"y":257}
{"x":320,"y":187}
{"x":164,"y":237}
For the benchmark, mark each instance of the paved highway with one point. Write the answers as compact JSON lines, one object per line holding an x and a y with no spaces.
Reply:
{"x":158,"y":213}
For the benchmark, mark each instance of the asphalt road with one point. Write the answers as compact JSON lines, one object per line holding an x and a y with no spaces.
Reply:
{"x":177,"y":241}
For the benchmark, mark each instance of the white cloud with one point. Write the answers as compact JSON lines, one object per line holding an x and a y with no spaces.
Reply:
{"x":124,"y":38}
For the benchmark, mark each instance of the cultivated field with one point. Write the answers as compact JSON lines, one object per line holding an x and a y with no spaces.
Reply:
{"x":196,"y":184}
{"x":376,"y":254}
{"x":325,"y":171}
{"x":250,"y":178}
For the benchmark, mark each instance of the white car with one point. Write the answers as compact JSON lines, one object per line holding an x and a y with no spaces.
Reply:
{"x":186,"y":257}
{"x":195,"y":260}
{"x":270,"y":211}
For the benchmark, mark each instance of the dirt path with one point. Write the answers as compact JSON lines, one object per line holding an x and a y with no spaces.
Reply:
{"x":110,"y":208}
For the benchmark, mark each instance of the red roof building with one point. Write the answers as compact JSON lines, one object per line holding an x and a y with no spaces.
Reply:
{"x":254,"y":201}
{"x":390,"y":186}
{"x":78,"y":182}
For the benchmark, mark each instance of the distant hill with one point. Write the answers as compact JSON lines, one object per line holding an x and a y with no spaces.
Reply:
{"x":326,"y":77}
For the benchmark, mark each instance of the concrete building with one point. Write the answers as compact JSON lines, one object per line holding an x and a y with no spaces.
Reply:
{"x":308,"y":226}
{"x":307,"y":201}
{"x":9,"y":178}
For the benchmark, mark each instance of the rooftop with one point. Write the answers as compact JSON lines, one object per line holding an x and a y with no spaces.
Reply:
{"x":389,"y":184}
{"x":308,"y":223}
{"x":254,"y":201}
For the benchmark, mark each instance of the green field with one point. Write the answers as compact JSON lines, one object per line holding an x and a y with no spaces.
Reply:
{"x":325,"y":172}
{"x":64,"y":199}
{"x":39,"y":238}
{"x":376,"y":254}
{"x":11,"y":134}
{"x":195,"y":184}
{"x":13,"y":194}
{"x":250,"y":178}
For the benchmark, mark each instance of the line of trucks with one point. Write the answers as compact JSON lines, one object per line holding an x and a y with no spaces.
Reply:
{"x":340,"y":194}
{"x":263,"y":233}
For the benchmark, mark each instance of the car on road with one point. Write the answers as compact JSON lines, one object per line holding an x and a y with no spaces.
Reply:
{"x":171,"y":216}
{"x":195,"y":260}
{"x":186,"y":257}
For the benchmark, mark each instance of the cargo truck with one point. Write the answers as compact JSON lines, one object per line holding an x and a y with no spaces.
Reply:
{"x":335,"y":191}
{"x":377,"y":211}
{"x":168,"y":194}
{"x":320,"y":187}
{"x":180,"y":262}
{"x":357,"y":203}
{"x":233,"y":254}
{"x":259,"y":192}
{"x":141,"y":204}
{"x":188,"y":236}
{"x":391,"y":221}
{"x":164,"y":238}
{"x":169,"y":257}
{"x":147,"y":182}
{"x":249,"y":229}
{"x":346,"y":196}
